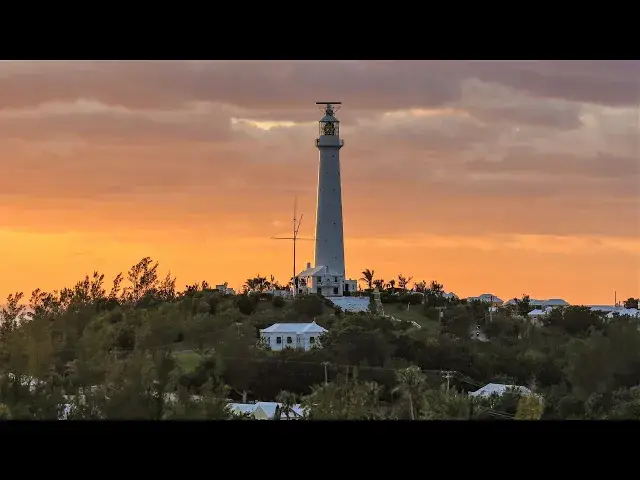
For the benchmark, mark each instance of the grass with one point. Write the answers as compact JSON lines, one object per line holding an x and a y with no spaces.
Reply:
{"x":415,"y":314}
{"x":188,"y":361}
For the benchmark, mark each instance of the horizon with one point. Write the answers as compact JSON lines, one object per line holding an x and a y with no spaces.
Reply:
{"x":510,"y":177}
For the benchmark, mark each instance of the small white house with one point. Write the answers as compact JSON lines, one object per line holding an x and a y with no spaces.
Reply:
{"x":292,"y":335}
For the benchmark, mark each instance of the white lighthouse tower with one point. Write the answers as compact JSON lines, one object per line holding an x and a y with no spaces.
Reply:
{"x":327,"y":277}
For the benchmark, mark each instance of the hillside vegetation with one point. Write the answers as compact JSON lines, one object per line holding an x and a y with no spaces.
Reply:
{"x":139,"y":349}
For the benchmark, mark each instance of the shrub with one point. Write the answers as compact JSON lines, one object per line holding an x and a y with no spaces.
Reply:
{"x":246,"y":304}
{"x":278,"y":302}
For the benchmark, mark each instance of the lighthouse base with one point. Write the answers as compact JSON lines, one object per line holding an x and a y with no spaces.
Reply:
{"x":321,"y":281}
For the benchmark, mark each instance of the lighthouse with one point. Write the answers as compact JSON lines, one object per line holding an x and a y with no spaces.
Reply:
{"x":329,"y":230}
{"x":327,"y":277}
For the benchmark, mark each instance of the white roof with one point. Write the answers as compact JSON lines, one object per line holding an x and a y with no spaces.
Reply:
{"x":295,"y":328}
{"x":556,"y":302}
{"x":314,"y":271}
{"x":242,"y":407}
{"x":629,"y":312}
{"x":603,"y":308}
{"x":486,"y":297}
{"x":269,"y":408}
{"x":498,"y":389}
{"x":537,"y":312}
{"x":351,"y":304}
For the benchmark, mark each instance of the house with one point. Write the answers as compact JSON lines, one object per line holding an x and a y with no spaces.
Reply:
{"x":499,"y":389}
{"x":225,"y":290}
{"x":317,"y":280}
{"x":541,"y":304}
{"x":292,"y":335}
{"x":486,"y":297}
{"x":265,"y":410}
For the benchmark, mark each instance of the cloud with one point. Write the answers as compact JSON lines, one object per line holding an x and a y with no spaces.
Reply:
{"x":277,"y":85}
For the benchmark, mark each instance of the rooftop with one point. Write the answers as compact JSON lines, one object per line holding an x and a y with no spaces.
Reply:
{"x":296,"y":328}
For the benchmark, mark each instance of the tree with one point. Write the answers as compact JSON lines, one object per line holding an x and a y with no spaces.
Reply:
{"x":403,"y":282}
{"x":411,"y":384}
{"x":143,"y":279}
{"x":523,"y":305}
{"x":246,"y":304}
{"x":367,"y":276}
{"x":530,"y":407}
{"x":631,"y":302}
{"x":421,"y":286}
{"x":287,"y":401}
{"x":379,"y":284}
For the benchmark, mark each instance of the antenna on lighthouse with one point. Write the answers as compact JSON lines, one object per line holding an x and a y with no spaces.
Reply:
{"x":294,"y":238}
{"x":329,"y":108}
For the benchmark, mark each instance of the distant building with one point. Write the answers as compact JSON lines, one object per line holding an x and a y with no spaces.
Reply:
{"x":541,"y":304}
{"x":292,"y":335}
{"x":225,"y":290}
{"x":487,"y":298}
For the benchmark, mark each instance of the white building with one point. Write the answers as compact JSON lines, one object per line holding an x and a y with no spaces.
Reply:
{"x":319,"y":280}
{"x":225,"y":290}
{"x":328,"y":276}
{"x":292,"y":335}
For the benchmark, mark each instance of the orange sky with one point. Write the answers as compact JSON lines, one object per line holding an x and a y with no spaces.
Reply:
{"x":485,"y":179}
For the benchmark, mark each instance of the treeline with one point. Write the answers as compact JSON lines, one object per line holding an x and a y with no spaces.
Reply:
{"x":121,"y":351}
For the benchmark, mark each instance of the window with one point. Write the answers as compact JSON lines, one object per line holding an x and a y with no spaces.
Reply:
{"x":319,"y":280}
{"x":335,"y":290}
{"x":289,"y":340}
{"x":346,"y":287}
{"x":268,"y":340}
{"x":335,"y":279}
{"x":278,"y":340}
{"x":312,"y":340}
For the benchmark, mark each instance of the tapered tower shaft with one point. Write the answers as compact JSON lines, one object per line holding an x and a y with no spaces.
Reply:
{"x":329,"y":250}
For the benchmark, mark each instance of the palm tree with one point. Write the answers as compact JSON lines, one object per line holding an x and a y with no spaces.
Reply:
{"x":411,"y":382}
{"x":287,"y":400}
{"x":391,"y":285}
{"x":379,"y":283}
{"x":367,"y":276}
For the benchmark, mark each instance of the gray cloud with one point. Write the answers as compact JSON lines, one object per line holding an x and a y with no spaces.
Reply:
{"x":276,"y":85}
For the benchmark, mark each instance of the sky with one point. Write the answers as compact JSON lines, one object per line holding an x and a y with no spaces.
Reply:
{"x":503,"y":177}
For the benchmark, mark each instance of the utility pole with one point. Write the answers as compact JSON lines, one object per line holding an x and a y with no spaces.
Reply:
{"x":294,"y":238}
{"x":326,"y":375}
{"x":491,"y":310}
{"x":447,"y":375}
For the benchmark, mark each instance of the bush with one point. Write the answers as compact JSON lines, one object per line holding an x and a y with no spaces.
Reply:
{"x":246,"y":304}
{"x":309,"y":305}
{"x":278,"y":302}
